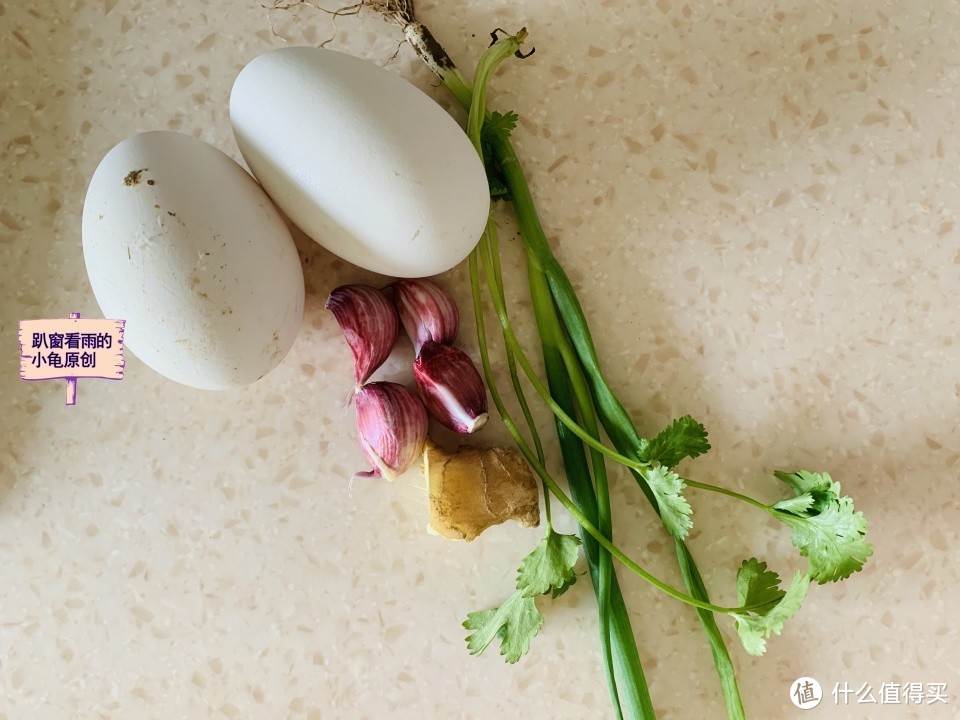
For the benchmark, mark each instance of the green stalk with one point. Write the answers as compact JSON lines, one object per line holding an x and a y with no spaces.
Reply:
{"x":619,"y":648}
{"x":552,"y":484}
{"x":490,"y":252}
{"x":514,"y":378}
{"x":428,"y":49}
{"x":477,"y":108}
{"x":633,"y":695}
{"x":605,"y":572}
{"x":718,"y":648}
{"x":731,"y":493}
{"x":566,"y":383}
{"x":613,"y":416}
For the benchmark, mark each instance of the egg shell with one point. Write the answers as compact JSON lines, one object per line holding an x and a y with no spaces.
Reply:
{"x":183,"y":244}
{"x":365,"y":163}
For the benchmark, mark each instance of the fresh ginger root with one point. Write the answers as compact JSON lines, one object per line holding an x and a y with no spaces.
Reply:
{"x":473,"y":489}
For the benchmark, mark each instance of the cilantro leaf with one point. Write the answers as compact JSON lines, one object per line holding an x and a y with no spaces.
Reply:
{"x":497,"y":187}
{"x":833,"y":540}
{"x":683,"y":438}
{"x":756,"y":585}
{"x":826,"y":527}
{"x":796,"y":505}
{"x":497,"y":126}
{"x":549,"y":568}
{"x":755,"y":626}
{"x":819,"y":487}
{"x":804,"y":481}
{"x":515,"y":623}
{"x":667,"y":487}
{"x":561,"y":589}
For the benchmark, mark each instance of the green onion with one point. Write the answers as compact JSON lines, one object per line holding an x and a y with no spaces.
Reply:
{"x":825,"y":527}
{"x":615,"y":419}
{"x":614,"y":620}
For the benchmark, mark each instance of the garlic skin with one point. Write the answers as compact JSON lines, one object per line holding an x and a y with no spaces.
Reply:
{"x":451,"y":387}
{"x":391,"y":426}
{"x":369,"y":324}
{"x":427,"y":312}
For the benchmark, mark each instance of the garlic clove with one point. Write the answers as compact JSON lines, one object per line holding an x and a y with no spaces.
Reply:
{"x":451,"y":387}
{"x":392,"y":428}
{"x":369,"y":324}
{"x":427,"y":312}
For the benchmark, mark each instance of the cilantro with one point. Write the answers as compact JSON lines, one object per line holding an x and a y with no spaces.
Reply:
{"x":817,"y":489}
{"x":796,"y":505}
{"x":683,"y":438}
{"x":496,"y":185}
{"x":826,"y":527}
{"x":667,"y":487}
{"x":516,"y":623}
{"x":756,"y":585}
{"x":497,"y":126}
{"x":548,"y":569}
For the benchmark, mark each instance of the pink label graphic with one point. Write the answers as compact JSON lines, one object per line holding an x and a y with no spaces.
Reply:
{"x":71,"y":348}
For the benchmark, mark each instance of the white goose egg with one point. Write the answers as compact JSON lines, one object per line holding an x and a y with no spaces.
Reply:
{"x":183,"y":244}
{"x":365,"y":163}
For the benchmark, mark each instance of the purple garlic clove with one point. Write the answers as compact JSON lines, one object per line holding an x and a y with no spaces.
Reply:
{"x":392,"y":428}
{"x":369,"y":324}
{"x":451,"y":387}
{"x":427,"y":312}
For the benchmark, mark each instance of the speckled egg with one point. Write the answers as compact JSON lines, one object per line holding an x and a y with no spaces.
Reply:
{"x":183,"y":244}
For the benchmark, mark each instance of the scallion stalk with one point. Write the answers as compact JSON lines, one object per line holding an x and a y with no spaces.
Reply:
{"x":560,"y":315}
{"x":614,"y":417}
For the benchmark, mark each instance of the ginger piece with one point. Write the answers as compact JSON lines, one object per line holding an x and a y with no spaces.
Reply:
{"x":473,"y":489}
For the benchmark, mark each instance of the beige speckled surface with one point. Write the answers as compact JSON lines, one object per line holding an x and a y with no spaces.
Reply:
{"x":758,"y":202}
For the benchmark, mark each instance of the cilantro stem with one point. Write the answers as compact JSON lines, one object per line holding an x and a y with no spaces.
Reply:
{"x":531,"y":231}
{"x":496,"y":290}
{"x":489,"y":249}
{"x":730,"y":493}
{"x":613,"y":416}
{"x":542,"y":472}
{"x":437,"y":59}
{"x":584,"y":434}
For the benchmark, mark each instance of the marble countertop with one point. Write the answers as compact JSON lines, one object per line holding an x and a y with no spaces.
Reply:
{"x":758,"y":204}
